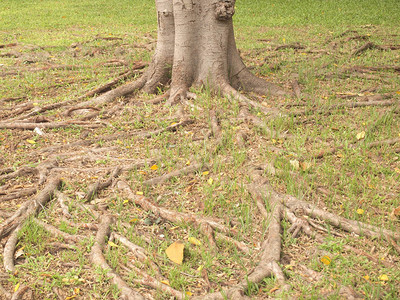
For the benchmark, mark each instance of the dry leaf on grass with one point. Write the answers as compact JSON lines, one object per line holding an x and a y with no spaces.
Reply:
{"x":194,"y":241}
{"x":175,"y":252}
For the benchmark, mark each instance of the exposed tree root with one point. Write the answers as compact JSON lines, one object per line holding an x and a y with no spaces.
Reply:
{"x":367,"y":46}
{"x":32,"y":126}
{"x":329,"y":109}
{"x":58,"y":233}
{"x":14,"y":223}
{"x":333,"y":150}
{"x":20,"y":172}
{"x":184,"y":171}
{"x":22,"y":290}
{"x":93,"y":189}
{"x":98,"y":260}
{"x":171,"y":215}
{"x":18,"y":194}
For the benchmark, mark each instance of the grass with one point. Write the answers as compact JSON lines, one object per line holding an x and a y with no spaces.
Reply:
{"x":355,"y":177}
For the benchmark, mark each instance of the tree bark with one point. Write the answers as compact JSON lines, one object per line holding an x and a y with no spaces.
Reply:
{"x":196,"y":47}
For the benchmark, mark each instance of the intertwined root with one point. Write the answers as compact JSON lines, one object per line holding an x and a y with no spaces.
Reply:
{"x":272,"y":206}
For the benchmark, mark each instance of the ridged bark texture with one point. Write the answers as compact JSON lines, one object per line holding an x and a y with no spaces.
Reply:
{"x":196,"y":44}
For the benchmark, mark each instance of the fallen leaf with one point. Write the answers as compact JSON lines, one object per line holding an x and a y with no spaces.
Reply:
{"x":154,"y":167}
{"x":16,"y":287}
{"x":305,"y":165}
{"x":274,"y":289}
{"x":206,"y":173}
{"x":360,"y":211}
{"x":366,"y":277}
{"x":126,"y":201}
{"x":189,"y":293}
{"x":175,"y":252}
{"x":31,"y":142}
{"x":210,"y":181}
{"x":19,"y":252}
{"x":384,"y":277}
{"x":295,"y":164}
{"x":139,"y":193}
{"x":194,"y":241}
{"x":396,"y":211}
{"x":165,"y":282}
{"x":360,"y":135}
{"x":326,"y":260}
{"x":112,"y":244}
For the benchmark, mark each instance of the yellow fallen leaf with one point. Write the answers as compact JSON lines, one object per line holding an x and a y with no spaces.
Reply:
{"x":200,"y":268}
{"x":70,"y":297}
{"x":206,"y":173}
{"x":360,"y":135}
{"x":398,"y":92}
{"x":165,"y":282}
{"x":126,"y":201}
{"x":112,"y":244}
{"x":154,"y":167}
{"x":360,"y":211}
{"x":366,"y":277}
{"x":188,"y":163}
{"x":273,"y":141}
{"x":189,"y":293}
{"x":35,"y":104}
{"x":175,"y":252}
{"x":326,"y":260}
{"x":31,"y":142}
{"x":397,"y":170}
{"x":139,"y":193}
{"x":295,"y":164}
{"x":194,"y":241}
{"x":305,"y":165}
{"x":274,"y":289}
{"x":210,"y":181}
{"x":173,"y":123}
{"x":396,"y":211}
{"x":384,"y":277}
{"x":16,"y":287}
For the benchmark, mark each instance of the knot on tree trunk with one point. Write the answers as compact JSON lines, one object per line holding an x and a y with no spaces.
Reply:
{"x":224,"y":10}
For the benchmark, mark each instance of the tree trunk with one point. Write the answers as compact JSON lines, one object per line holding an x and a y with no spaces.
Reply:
{"x":195,"y":47}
